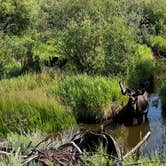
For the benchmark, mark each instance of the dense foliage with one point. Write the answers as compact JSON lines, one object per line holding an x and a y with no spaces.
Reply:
{"x":143,"y":68}
{"x":96,"y":37}
{"x":61,"y":61}
{"x":158,"y":45}
{"x":98,"y":40}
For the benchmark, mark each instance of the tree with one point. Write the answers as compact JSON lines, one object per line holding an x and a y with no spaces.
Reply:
{"x":16,"y":16}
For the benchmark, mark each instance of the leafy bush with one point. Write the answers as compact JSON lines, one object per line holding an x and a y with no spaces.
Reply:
{"x":163,"y":94}
{"x":83,"y":45}
{"x":90,"y":97}
{"x":155,"y":16}
{"x":158,"y":44}
{"x":16,"y":16}
{"x":142,"y":69}
{"x":99,"y":45}
{"x":119,"y":43}
{"x":9,"y":66}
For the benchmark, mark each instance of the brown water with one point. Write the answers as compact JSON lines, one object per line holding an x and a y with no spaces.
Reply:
{"x":128,"y":136}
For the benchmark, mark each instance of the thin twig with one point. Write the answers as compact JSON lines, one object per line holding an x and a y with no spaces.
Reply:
{"x":138,"y":145}
{"x":75,"y":145}
{"x":29,"y":159}
{"x":5,"y":153}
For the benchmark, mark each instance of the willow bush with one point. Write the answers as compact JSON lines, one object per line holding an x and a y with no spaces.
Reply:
{"x":158,"y":45}
{"x":163,"y":94}
{"x":142,"y":68}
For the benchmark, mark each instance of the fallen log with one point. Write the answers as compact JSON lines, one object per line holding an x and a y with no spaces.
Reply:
{"x":90,"y":141}
{"x":71,"y":153}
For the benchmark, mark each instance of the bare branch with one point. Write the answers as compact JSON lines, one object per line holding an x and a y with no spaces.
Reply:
{"x":138,"y":145}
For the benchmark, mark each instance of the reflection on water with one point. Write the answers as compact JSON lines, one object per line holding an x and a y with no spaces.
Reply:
{"x":133,"y":134}
{"x":137,"y":133}
{"x":129,"y":136}
{"x":157,"y":126}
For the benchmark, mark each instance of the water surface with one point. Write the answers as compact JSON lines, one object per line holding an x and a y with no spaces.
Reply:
{"x":128,"y":136}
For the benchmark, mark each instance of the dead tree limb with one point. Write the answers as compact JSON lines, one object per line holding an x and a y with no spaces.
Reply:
{"x":5,"y":153}
{"x":138,"y":145}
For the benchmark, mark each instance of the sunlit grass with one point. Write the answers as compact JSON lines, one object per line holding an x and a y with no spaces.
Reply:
{"x":32,"y":110}
{"x":90,"y":97}
{"x":51,"y":102}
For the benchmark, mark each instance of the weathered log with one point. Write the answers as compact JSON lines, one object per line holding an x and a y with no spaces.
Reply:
{"x":70,"y":153}
{"x":90,"y":141}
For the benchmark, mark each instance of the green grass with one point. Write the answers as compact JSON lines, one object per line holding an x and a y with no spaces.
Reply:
{"x":27,"y":104}
{"x":90,"y":97}
{"x":51,"y":102}
{"x":101,"y":158}
{"x":30,"y":81}
{"x":31,"y":110}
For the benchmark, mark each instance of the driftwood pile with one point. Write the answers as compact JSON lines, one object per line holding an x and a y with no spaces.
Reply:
{"x":70,"y":154}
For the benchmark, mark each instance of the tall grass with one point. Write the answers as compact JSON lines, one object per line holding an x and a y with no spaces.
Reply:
{"x":101,"y":158}
{"x":90,"y":97}
{"x":30,"y":81}
{"x":26,"y":104}
{"x":33,"y":102}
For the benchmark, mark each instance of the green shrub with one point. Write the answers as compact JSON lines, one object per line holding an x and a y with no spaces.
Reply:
{"x":90,"y":97}
{"x":17,"y":16}
{"x":119,"y":43}
{"x":142,"y":69}
{"x":144,"y":53}
{"x":155,"y":16}
{"x":158,"y":45}
{"x":83,"y":45}
{"x":163,"y":94}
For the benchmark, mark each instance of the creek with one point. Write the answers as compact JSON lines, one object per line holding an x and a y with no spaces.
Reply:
{"x":128,"y":136}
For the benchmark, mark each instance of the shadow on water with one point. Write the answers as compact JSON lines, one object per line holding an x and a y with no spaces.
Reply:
{"x":129,"y":136}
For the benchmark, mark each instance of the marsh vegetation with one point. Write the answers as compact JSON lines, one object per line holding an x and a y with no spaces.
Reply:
{"x":61,"y":61}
